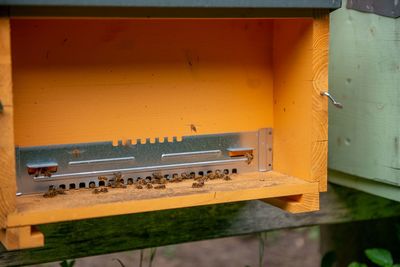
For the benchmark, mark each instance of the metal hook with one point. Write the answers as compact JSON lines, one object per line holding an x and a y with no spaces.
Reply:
{"x":334,"y":102}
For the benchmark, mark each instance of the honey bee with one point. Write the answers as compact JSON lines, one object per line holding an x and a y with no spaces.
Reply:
{"x":219,"y":174}
{"x":198,"y":184}
{"x":163,"y":181}
{"x":210,"y":176}
{"x":157,"y":175}
{"x":103,"y":190}
{"x":102,"y":178}
{"x":76,"y":152}
{"x":149,"y":186}
{"x":142,"y":182}
{"x":193,"y":128}
{"x":249,"y":157}
{"x":200,"y":177}
{"x":52,"y":192}
{"x":160,"y":186}
{"x":184,"y":175}
{"x":227,"y":178}
{"x":61,"y":191}
{"x":176,"y":178}
{"x":117,"y":182}
{"x":138,"y":186}
{"x":100,"y":190}
{"x":46,"y":172}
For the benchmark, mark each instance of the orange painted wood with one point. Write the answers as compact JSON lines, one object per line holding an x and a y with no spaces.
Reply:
{"x":319,"y":138}
{"x":300,"y":112}
{"x":293,"y":105}
{"x":83,"y":204}
{"x":15,"y":238}
{"x":102,"y":80}
{"x":296,"y":204}
{"x":88,"y":80}
{"x":7,"y":157}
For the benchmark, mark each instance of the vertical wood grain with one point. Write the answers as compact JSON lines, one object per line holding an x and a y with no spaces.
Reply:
{"x":319,"y":133}
{"x":7,"y":157}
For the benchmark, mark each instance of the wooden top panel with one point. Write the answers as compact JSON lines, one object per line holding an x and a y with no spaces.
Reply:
{"x":180,"y":3}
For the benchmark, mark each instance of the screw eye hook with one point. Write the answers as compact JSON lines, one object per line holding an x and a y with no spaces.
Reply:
{"x":334,"y":102}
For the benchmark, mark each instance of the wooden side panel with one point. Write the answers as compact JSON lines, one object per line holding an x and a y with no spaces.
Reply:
{"x":293,"y":101}
{"x":99,"y":80}
{"x":365,"y":77}
{"x":301,"y":114}
{"x":7,"y":157}
{"x":319,"y":134}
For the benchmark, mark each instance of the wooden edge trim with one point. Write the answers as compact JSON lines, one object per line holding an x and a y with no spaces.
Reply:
{"x":24,"y":237}
{"x":297,"y":203}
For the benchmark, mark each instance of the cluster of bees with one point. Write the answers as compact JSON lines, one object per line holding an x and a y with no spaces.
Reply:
{"x":200,"y":180}
{"x":157,"y":182}
{"x":53,"y":192}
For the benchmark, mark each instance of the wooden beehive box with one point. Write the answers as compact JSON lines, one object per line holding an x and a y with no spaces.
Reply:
{"x":73,"y":75}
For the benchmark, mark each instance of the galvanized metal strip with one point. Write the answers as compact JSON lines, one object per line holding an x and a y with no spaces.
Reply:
{"x":83,"y":163}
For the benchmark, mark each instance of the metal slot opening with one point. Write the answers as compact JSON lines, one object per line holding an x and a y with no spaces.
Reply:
{"x":82,"y":185}
{"x":61,"y":186}
{"x":72,"y":186}
{"x":41,"y":170}
{"x":240,"y":152}
{"x":92,"y":184}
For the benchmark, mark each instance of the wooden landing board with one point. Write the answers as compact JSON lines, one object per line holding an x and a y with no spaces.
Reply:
{"x":83,"y":204}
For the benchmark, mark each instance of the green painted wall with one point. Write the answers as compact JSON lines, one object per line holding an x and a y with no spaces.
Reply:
{"x":364,"y":137}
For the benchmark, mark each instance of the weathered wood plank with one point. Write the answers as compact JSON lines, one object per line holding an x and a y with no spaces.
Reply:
{"x":364,"y":137}
{"x":120,"y":233}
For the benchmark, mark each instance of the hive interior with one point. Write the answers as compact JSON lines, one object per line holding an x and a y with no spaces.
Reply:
{"x":88,"y":80}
